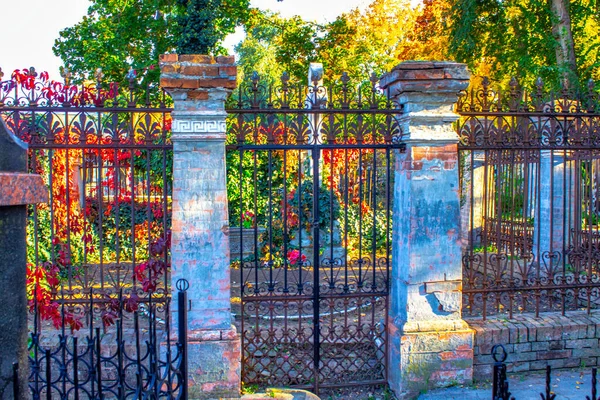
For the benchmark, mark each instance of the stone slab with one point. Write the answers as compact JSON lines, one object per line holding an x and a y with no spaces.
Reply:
{"x":428,"y":360}
{"x":21,"y":189}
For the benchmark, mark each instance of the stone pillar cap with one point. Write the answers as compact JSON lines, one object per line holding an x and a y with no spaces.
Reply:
{"x":427,"y":65}
{"x":21,"y":189}
{"x":191,"y":72}
{"x":427,"y":76}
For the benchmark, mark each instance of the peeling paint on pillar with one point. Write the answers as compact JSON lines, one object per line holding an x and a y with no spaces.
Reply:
{"x":430,"y":344}
{"x":199,"y":86}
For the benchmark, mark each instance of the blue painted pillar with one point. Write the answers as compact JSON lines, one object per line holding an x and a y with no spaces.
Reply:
{"x":430,"y":345}
{"x":199,"y":86}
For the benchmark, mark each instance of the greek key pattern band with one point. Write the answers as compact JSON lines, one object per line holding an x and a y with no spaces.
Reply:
{"x":183,"y":126}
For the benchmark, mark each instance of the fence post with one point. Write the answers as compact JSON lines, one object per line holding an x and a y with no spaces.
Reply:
{"x":430,"y":344}
{"x":499,"y":380}
{"x":182,"y":317}
{"x":199,"y":86}
{"x":17,"y":189}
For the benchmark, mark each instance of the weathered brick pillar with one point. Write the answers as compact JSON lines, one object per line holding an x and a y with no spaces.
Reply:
{"x":199,"y":86}
{"x":17,"y":189}
{"x":430,"y":344}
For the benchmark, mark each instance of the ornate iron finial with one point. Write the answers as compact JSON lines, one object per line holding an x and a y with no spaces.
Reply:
{"x":182,"y":285}
{"x":513,"y":83}
{"x":131,"y":75}
{"x":345,"y":78}
{"x":98,"y":74}
{"x":285,"y":78}
{"x":32,"y":72}
{"x":499,"y":353}
{"x":590,"y":84}
{"x":315,"y":73}
{"x":373,"y":78}
{"x":485,"y":82}
{"x":539,"y":83}
{"x":65,"y":74}
{"x":255,"y":77}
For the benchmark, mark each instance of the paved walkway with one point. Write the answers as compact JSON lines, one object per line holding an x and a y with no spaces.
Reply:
{"x":574,"y":384}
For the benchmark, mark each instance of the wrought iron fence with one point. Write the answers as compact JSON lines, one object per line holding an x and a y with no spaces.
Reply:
{"x":530,"y":187}
{"x":106,"y":156}
{"x":310,"y":183}
{"x":98,"y":253}
{"x":139,"y":359}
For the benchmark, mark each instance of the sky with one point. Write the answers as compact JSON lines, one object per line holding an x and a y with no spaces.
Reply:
{"x":29,"y":27}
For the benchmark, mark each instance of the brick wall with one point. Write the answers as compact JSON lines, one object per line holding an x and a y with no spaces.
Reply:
{"x":533,"y":343}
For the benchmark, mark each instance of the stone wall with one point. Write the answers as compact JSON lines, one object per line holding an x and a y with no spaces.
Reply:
{"x":533,"y":343}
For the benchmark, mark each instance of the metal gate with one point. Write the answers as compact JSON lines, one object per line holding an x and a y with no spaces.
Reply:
{"x":309,"y":186}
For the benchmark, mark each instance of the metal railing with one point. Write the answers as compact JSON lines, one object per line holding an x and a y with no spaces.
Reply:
{"x":105,"y":153}
{"x":530,"y":189}
{"x":144,"y":360}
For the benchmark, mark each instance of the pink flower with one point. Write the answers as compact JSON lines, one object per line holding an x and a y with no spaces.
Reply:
{"x":294,"y":256}
{"x":248,"y":219}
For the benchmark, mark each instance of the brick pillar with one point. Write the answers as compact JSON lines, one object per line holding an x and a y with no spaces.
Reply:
{"x":199,"y":86}
{"x":17,"y":189}
{"x":430,"y":344}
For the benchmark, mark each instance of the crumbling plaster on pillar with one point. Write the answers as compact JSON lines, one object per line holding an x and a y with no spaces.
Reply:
{"x":430,"y":344}
{"x":199,"y":86}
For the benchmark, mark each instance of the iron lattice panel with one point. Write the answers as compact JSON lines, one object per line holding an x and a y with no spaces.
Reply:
{"x":529,"y":179}
{"x":310,"y":183}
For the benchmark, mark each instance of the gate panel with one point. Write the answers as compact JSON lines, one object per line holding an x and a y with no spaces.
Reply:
{"x":98,"y":253}
{"x":309,"y":186}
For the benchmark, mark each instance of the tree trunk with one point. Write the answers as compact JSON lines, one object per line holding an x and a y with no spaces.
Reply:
{"x":561,"y":30}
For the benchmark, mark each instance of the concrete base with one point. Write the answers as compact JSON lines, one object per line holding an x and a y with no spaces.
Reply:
{"x":214,"y":364}
{"x":430,"y":358}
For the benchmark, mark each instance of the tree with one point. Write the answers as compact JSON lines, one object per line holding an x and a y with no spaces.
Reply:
{"x":274,"y":44}
{"x":117,"y":35}
{"x":527,"y":38}
{"x":204,"y":23}
{"x":358,"y":42}
{"x":386,"y":33}
{"x":561,"y":29}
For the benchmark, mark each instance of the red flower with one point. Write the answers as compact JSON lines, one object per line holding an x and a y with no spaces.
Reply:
{"x":294,"y":256}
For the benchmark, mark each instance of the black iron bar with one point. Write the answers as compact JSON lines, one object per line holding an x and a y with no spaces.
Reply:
{"x":99,"y":364}
{"x":182,"y":315}
{"x":75,"y":368}
{"x":316,"y":154}
{"x":48,"y":375}
{"x":15,"y":380}
{"x":594,"y":385}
